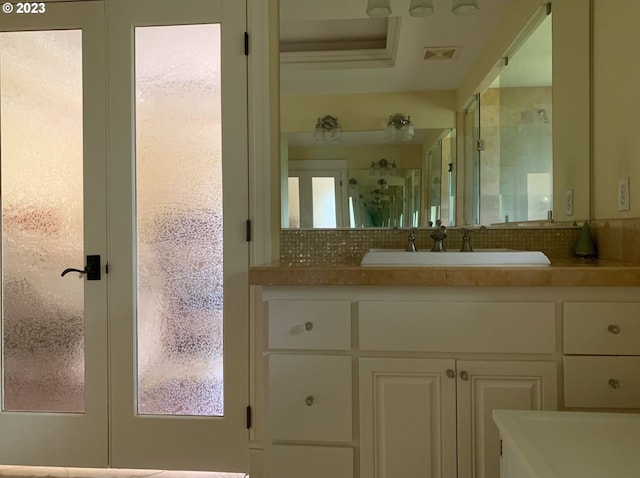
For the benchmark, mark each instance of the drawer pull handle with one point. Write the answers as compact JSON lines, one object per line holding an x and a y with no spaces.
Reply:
{"x":309,"y":400}
{"x":464,"y":375}
{"x":308,"y":326}
{"x":451,"y":373}
{"x":614,"y":383}
{"x":614,"y":329}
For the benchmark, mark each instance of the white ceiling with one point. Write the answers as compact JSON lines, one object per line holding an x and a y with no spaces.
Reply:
{"x":314,"y":20}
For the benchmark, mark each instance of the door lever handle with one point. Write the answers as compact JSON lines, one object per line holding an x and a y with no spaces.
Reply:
{"x":92,"y":269}
{"x":71,"y":269}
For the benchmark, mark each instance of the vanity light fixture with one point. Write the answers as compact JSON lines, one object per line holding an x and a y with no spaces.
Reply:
{"x":327,"y":130}
{"x":379,"y":8}
{"x":382,"y":167}
{"x":399,"y":127}
{"x":464,"y":8}
{"x":421,"y":8}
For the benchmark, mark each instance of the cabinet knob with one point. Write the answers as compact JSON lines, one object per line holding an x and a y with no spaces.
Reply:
{"x":614,"y":383}
{"x":308,"y":326}
{"x":614,"y":329}
{"x":451,"y":373}
{"x":464,"y":375}
{"x":309,"y":400}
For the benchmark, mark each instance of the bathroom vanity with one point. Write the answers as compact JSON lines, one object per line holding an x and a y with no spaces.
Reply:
{"x":387,"y":372}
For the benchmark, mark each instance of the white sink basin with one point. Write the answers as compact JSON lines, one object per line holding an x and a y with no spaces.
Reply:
{"x":480,"y":257}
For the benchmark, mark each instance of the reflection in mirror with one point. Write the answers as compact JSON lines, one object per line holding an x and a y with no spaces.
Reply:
{"x":366,"y":180}
{"x":441,"y":180}
{"x":377,"y":199}
{"x":336,"y":61}
{"x":515,"y":149}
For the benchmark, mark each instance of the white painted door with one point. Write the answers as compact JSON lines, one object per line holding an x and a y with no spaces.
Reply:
{"x":484,"y":386}
{"x":156,"y":367}
{"x":407,"y":418}
{"x":178,"y":204}
{"x":315,"y":199}
{"x":52,"y":160}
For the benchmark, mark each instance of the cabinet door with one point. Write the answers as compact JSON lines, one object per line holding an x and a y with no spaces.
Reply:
{"x":407,"y":418}
{"x":486,"y":386}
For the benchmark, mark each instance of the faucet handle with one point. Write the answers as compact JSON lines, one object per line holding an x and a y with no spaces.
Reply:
{"x":466,"y":238}
{"x":466,"y":231}
{"x":411,"y":246}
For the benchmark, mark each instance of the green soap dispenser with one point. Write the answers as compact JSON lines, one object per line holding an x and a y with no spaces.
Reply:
{"x":585,"y":247}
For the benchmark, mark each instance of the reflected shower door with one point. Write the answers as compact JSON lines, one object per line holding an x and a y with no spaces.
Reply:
{"x":52,"y":156}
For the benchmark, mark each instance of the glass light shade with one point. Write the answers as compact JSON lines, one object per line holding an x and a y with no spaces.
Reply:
{"x":318,"y":134}
{"x":408,"y":131}
{"x":378,"y":8}
{"x":421,"y":8}
{"x":390,"y":132}
{"x":335,"y":134}
{"x":464,"y":8}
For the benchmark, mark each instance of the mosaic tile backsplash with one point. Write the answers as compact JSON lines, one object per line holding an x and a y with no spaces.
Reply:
{"x":348,"y":246}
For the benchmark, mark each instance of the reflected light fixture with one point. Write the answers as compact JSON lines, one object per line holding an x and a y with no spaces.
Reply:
{"x":378,"y":8}
{"x":327,"y":130}
{"x":421,"y":8}
{"x":382,"y":167}
{"x":399,"y":127}
{"x":464,"y":8}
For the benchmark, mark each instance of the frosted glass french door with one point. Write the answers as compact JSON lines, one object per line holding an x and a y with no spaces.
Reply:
{"x":123,"y":134}
{"x":178,"y":203}
{"x":53,"y":174}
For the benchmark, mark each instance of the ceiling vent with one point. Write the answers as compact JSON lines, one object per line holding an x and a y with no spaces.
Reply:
{"x":441,"y":53}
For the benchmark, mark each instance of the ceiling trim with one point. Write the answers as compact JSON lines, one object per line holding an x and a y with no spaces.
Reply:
{"x":356,"y":58}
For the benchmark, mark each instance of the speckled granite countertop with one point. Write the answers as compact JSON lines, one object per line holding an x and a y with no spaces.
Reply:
{"x":561,"y":273}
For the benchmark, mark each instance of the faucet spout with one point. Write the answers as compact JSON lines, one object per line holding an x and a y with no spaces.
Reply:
{"x":438,"y":236}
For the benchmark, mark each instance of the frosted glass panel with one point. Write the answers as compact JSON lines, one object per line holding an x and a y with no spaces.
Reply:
{"x":324,"y":202}
{"x":42,"y":220}
{"x":179,"y":220}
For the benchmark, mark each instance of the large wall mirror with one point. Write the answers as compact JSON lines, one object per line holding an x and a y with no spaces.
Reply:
{"x":374,"y":132}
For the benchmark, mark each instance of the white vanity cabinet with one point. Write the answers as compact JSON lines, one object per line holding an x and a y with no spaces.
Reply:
{"x":385,"y":382}
{"x":602,"y":355}
{"x":432,"y":417}
{"x":429,"y":417}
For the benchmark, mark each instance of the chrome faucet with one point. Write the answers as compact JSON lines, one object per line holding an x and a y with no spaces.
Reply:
{"x":439,"y":235}
{"x":411,"y":246}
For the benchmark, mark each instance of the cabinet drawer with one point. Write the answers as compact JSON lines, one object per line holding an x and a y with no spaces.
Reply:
{"x":310,"y":462}
{"x":599,"y":328}
{"x":310,"y":397}
{"x":483,"y":327}
{"x":310,"y":324}
{"x":602,"y":382}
